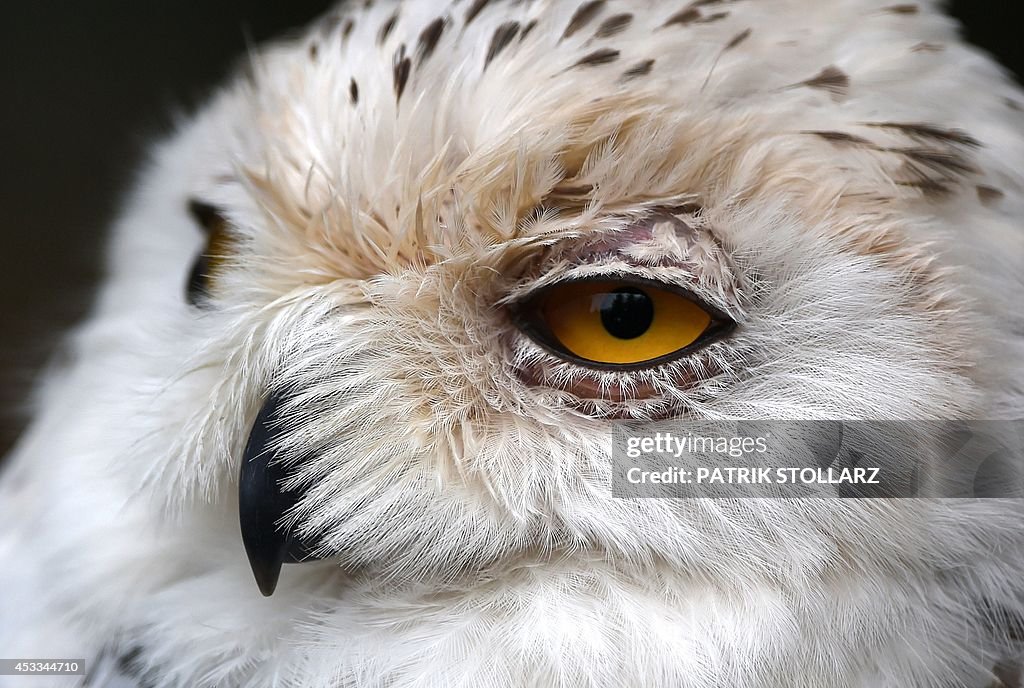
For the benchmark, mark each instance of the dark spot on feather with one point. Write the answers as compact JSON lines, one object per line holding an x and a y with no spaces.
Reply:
{"x":503,"y":35}
{"x":702,"y":3}
{"x":682,"y":18}
{"x":841,"y":137}
{"x":314,"y":51}
{"x":920,"y":180}
{"x":598,"y":57}
{"x":737,"y":39}
{"x":613,"y":25}
{"x":934,"y":172}
{"x":947,"y":161}
{"x":128,"y":663}
{"x":386,"y":28}
{"x":429,"y":38}
{"x":346,"y":29}
{"x":582,"y":16}
{"x":926,"y":47}
{"x":831,"y":79}
{"x":920,"y":130}
{"x":527,"y":29}
{"x":989,"y":194}
{"x":402,"y":68}
{"x":717,"y":16}
{"x":1013,"y":104}
{"x":474,"y":10}
{"x":353,"y":91}
{"x":733,"y":42}
{"x":901,"y":9}
{"x":130,"y":666}
{"x":638,"y":70}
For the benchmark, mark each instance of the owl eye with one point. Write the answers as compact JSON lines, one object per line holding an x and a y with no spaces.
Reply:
{"x":200,"y":279}
{"x":627,"y":323}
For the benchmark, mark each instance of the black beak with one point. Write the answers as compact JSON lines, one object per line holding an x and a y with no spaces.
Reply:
{"x":262,"y":502}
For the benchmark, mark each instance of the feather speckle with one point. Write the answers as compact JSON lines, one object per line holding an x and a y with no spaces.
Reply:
{"x":902,"y":9}
{"x":841,"y":137}
{"x":503,"y":35}
{"x":683,"y":17}
{"x":598,"y":57}
{"x":429,"y":38}
{"x":738,"y":39}
{"x":925,"y":131}
{"x":614,"y":25}
{"x":642,"y":68}
{"x":386,"y":28}
{"x":402,"y":68}
{"x":474,"y":11}
{"x":831,"y":79}
{"x":584,"y":14}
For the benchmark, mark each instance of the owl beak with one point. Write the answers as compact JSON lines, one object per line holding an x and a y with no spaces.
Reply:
{"x":263,"y":502}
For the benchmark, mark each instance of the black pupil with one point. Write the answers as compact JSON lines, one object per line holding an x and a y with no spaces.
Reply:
{"x":627,"y":312}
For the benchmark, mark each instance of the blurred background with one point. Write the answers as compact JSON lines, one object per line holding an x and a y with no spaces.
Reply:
{"x":86,"y":85}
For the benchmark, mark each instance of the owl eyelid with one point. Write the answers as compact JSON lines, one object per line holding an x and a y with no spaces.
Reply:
{"x":530,"y":323}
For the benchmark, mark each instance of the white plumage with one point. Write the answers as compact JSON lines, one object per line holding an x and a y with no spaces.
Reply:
{"x":380,"y":192}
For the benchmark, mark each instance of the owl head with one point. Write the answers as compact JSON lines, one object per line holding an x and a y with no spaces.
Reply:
{"x":377,"y":306}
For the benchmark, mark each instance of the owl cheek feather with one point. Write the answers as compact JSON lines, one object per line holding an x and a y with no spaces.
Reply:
{"x":263,"y":502}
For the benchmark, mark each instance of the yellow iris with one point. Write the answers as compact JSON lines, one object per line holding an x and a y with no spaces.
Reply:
{"x":618,"y":322}
{"x":219,"y":246}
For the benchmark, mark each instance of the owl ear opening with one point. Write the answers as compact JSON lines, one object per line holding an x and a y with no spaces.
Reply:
{"x":263,"y":502}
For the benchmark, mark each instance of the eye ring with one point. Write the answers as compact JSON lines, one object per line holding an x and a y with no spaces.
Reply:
{"x":527,"y":314}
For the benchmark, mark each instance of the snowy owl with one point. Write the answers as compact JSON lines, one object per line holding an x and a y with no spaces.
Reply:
{"x":343,"y":413}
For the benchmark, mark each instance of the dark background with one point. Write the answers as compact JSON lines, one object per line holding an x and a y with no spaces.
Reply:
{"x":84,"y":89}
